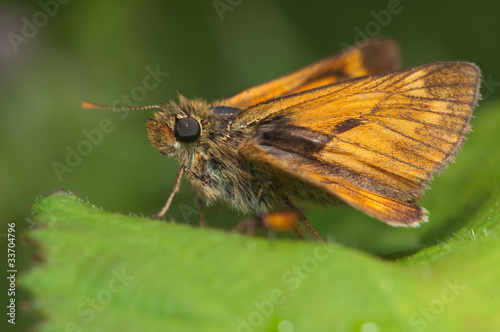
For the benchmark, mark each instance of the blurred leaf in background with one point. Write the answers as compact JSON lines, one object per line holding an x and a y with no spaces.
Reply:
{"x":100,"y":51}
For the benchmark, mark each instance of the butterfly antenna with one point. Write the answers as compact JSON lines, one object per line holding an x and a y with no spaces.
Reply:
{"x":87,"y":105}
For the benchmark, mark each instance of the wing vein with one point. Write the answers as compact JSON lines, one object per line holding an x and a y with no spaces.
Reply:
{"x":422,"y":123}
{"x":427,"y":110}
{"x":383,"y":154}
{"x":412,"y":138}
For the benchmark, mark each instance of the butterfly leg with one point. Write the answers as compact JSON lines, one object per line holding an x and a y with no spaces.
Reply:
{"x":280,"y":220}
{"x":301,"y":216}
{"x":175,"y":189}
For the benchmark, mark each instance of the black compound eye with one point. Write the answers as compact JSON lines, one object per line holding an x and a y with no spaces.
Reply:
{"x":187,"y":130}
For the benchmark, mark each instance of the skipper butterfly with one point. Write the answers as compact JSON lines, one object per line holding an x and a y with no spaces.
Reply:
{"x":349,"y":128}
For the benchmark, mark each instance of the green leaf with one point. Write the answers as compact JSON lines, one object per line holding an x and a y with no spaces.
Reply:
{"x":108,"y":272}
{"x":102,"y":271}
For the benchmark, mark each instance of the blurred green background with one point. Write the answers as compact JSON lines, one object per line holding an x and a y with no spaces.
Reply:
{"x":98,"y":51}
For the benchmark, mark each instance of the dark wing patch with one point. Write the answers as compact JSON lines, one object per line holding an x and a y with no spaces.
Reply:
{"x":347,"y":125}
{"x":279,"y":132}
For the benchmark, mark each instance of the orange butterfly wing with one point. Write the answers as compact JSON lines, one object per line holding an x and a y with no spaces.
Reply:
{"x":369,"y":57}
{"x":374,"y":142}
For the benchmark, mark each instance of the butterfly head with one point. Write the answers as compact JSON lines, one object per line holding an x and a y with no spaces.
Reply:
{"x":180,"y":127}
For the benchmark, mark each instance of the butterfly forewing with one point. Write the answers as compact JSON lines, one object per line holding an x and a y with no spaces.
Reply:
{"x":373,"y":56}
{"x":375,"y":141}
